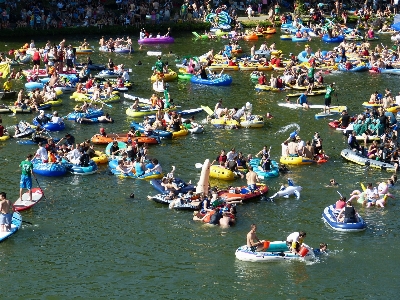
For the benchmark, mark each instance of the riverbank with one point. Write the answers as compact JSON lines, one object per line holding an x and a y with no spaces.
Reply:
{"x":103,"y":30}
{"x":116,"y":30}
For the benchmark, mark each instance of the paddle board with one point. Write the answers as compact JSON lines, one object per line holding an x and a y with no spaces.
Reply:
{"x":154,"y":53}
{"x":158,"y":86}
{"x":315,"y":93}
{"x":25,"y":203}
{"x":320,"y":106}
{"x":322,"y":115}
{"x":334,"y":111}
{"x":208,"y":110}
{"x":15,"y":225}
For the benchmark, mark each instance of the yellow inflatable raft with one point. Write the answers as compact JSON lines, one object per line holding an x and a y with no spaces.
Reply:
{"x":288,"y":160}
{"x":221,"y":173}
{"x":172,"y":75}
{"x":254,"y":67}
{"x":100,"y":158}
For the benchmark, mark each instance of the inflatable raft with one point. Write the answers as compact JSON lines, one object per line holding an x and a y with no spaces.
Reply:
{"x":49,"y":169}
{"x":277,"y":251}
{"x":92,"y":113}
{"x":297,"y":160}
{"x":161,"y":133}
{"x":221,"y":173}
{"x":82,"y":170}
{"x":359,"y":159}
{"x":261,"y":174}
{"x":100,"y":158}
{"x":336,"y":39}
{"x":98,"y":139}
{"x":223,"y":80}
{"x":183,"y":186}
{"x":330,"y":214}
{"x":243,"y":193}
{"x":166,"y":77}
{"x":50,"y":126}
{"x":155,"y":40}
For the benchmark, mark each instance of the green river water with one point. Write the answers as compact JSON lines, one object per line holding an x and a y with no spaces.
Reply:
{"x":91,"y":241}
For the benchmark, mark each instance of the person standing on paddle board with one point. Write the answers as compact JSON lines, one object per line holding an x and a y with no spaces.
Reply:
{"x":26,"y":176}
{"x":329,"y":91}
{"x":310,"y":76}
{"x":5,"y":213}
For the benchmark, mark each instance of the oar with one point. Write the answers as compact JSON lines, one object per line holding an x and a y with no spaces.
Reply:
{"x":48,"y":133}
{"x":37,"y":181}
{"x":109,"y":105}
{"x":339,"y":194}
{"x":24,"y":221}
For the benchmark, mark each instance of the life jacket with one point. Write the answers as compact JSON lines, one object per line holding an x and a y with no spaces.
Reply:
{"x":52,"y":157}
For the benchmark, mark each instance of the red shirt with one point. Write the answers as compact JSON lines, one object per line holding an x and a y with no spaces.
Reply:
{"x":340,"y":204}
{"x":36,"y":55}
{"x":1,"y":130}
{"x":89,"y":84}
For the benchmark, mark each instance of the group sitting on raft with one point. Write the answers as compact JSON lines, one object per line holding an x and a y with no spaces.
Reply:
{"x":65,"y":150}
{"x":231,"y":114}
{"x":294,"y":146}
{"x":111,"y":43}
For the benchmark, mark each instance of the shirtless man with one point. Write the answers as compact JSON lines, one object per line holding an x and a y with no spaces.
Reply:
{"x":85,"y":44}
{"x":102,"y":42}
{"x":253,"y":241}
{"x":5,"y":213}
{"x":224,"y":221}
{"x":252,"y":180}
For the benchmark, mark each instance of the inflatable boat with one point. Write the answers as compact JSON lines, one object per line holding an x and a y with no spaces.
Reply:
{"x":183,"y":186}
{"x":359,"y":159}
{"x":278,"y":252}
{"x":330,"y":214}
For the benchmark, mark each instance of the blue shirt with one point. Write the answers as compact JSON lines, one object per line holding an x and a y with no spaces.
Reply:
{"x":303,"y":99}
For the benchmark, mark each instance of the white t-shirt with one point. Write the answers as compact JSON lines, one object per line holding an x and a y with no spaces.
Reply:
{"x":157,"y":168}
{"x":230,"y":155}
{"x":55,"y":119}
{"x":125,"y":76}
{"x":42,"y":153}
{"x":370,"y":193}
{"x":293,"y":237}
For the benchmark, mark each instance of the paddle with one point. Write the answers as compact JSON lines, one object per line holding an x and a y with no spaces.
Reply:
{"x":102,"y":102}
{"x":48,"y":133}
{"x":24,"y":221}
{"x":37,"y":181}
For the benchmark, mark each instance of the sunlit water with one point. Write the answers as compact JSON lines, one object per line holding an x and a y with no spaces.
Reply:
{"x":90,"y":240}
